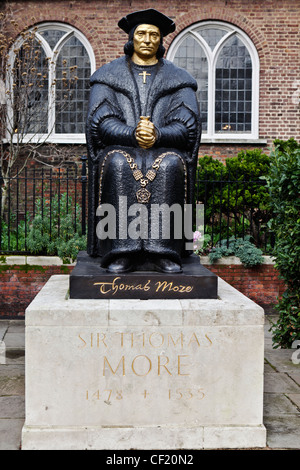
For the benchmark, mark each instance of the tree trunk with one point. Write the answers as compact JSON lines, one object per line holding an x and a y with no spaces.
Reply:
{"x":4,"y":192}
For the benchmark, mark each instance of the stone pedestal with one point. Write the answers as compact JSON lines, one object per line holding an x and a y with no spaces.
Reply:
{"x":88,"y":280}
{"x":143,"y":374}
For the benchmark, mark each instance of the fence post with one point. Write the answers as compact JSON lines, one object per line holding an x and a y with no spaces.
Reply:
{"x":1,"y":182}
{"x":83,"y":194}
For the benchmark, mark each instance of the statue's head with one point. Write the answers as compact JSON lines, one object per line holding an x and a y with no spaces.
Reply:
{"x":146,"y":41}
{"x":149,"y":25}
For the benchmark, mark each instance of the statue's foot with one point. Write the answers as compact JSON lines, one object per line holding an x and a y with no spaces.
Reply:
{"x":165,"y":265}
{"x":120,"y":265}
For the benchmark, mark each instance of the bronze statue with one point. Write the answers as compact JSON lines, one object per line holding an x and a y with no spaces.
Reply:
{"x":143,"y":134}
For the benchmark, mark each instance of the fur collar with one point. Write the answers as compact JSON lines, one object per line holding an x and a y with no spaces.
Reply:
{"x":117,"y":74}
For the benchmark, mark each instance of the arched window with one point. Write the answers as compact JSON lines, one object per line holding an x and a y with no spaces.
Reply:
{"x":51,"y":65}
{"x":225,"y":64}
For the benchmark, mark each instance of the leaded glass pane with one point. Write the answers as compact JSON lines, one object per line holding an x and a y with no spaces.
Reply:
{"x":233,"y":88}
{"x":52,"y":36}
{"x":72,"y":87}
{"x":190,"y":56}
{"x":212,"y":35}
{"x":30,"y":84}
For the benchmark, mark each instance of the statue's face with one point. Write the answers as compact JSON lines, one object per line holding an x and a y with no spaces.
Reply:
{"x":146,"y":40}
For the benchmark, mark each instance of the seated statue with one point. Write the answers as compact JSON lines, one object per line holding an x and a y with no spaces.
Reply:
{"x":143,"y":134}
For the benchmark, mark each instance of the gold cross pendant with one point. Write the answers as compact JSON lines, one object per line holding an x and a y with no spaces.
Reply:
{"x":145,"y":74}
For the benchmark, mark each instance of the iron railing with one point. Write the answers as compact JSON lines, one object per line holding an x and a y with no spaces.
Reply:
{"x":51,"y":193}
{"x":234,"y":207}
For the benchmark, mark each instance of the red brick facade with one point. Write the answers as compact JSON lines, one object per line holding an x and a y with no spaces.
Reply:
{"x":20,"y":284}
{"x":272,"y":26}
{"x":261,"y":284}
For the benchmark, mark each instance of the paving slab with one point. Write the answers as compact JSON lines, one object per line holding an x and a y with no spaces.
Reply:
{"x":10,"y":432}
{"x":295,"y":376}
{"x":12,"y":370}
{"x":12,"y":385}
{"x":281,"y":359}
{"x":12,"y":407}
{"x":294,"y":398}
{"x":15,"y":335}
{"x":283,"y":432}
{"x":14,"y":356}
{"x":14,"y":340}
{"x":276,"y":382}
{"x":16,"y":326}
{"x":268,"y":368}
{"x":3,"y":329}
{"x":276,"y":404}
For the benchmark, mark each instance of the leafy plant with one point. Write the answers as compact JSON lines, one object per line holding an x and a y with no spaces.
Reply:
{"x":284,"y":182}
{"x":54,"y":230}
{"x":248,"y":253}
{"x":248,"y":164}
{"x":13,"y":238}
{"x":235,"y":198}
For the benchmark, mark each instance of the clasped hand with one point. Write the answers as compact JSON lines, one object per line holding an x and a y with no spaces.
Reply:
{"x":145,"y":133}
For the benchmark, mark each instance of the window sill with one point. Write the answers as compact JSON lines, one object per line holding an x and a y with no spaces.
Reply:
{"x":233,"y":140}
{"x":44,"y":139}
{"x":80,"y":139}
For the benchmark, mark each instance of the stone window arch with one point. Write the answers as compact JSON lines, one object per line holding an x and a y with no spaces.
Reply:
{"x":58,"y":63}
{"x":225,"y":63}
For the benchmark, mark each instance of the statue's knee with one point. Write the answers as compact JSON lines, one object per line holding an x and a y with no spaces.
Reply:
{"x":173,"y":162}
{"x":116,"y":160}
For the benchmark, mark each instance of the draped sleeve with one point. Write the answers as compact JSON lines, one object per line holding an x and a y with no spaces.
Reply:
{"x":180,"y":129}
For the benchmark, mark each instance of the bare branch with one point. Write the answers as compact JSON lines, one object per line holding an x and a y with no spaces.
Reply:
{"x":26,"y":96}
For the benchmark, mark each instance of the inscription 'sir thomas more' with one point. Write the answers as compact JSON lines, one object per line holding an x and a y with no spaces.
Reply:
{"x":131,"y":362}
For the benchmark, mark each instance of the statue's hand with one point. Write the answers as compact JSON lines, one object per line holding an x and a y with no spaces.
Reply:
{"x":145,"y":133}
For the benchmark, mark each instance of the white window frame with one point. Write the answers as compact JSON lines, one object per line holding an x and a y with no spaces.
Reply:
{"x":212,"y":57}
{"x":51,"y":136}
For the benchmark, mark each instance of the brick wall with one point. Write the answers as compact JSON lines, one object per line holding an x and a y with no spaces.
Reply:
{"x":20,"y":284}
{"x":222,"y":151}
{"x":271,"y":25}
{"x":261,"y":284}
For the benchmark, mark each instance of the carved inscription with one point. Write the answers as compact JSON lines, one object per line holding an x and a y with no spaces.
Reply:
{"x":132,"y":355}
{"x":108,"y":395}
{"x":160,"y":286}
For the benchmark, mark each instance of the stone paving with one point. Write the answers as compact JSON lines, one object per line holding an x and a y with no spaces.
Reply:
{"x":281,"y":393}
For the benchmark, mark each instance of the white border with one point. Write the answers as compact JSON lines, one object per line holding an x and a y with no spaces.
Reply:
{"x":212,"y":56}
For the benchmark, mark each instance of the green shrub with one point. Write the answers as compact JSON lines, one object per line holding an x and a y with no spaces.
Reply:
{"x":248,"y":253}
{"x":236,"y":200}
{"x":54,"y":230}
{"x":13,"y":238}
{"x":248,"y":164}
{"x":284,"y":183}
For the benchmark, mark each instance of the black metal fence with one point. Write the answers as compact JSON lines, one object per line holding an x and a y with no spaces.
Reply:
{"x":234,"y":207}
{"x":48,"y":195}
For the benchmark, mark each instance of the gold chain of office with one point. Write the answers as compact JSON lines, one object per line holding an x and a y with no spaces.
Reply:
{"x":143,"y":194}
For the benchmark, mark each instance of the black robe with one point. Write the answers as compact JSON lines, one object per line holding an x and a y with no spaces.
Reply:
{"x":114,"y":112}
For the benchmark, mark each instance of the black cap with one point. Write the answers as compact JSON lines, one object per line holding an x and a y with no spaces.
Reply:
{"x":150,"y":16}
